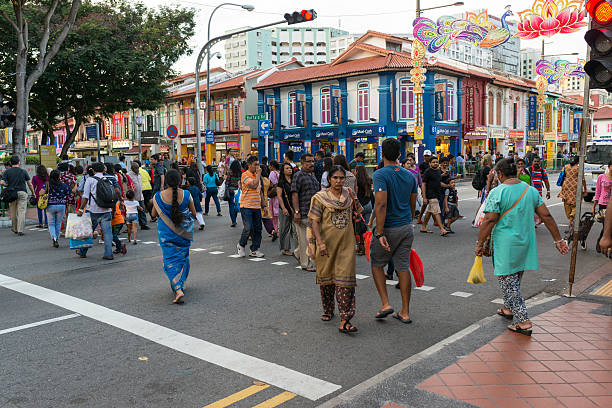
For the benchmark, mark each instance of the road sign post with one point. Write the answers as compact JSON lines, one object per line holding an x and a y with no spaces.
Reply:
{"x":258,"y":116}
{"x":264,"y":130}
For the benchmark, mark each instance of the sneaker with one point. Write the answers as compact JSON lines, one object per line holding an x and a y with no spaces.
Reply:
{"x":201,"y":227}
{"x":233,"y":225}
{"x":241,"y":251}
{"x":256,"y":254}
{"x":144,"y":228}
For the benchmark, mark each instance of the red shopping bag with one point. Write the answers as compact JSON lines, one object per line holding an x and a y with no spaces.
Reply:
{"x":367,"y":238}
{"x":416,"y":267}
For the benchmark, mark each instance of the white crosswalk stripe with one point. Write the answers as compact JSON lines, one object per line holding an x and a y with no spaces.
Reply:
{"x":358,"y":276}
{"x":216,"y":252}
{"x":198,"y":249}
{"x":461,"y":294}
{"x":257,"y":259}
{"x":234,"y":256}
{"x":498,"y":301}
{"x":425,"y":288}
{"x":280,"y":263}
{"x":392,"y":282}
{"x":148,"y":242}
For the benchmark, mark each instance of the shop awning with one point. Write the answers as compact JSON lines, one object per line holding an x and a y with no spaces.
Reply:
{"x":134,"y":150}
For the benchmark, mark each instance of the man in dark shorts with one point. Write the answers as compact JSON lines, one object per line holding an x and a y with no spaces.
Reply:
{"x":395,"y":194}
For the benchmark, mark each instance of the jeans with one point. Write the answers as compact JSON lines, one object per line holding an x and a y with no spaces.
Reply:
{"x":104,"y":220}
{"x":251,"y":218}
{"x":233,"y":209}
{"x":56,"y":214}
{"x":211,"y":192}
{"x":286,"y":231}
{"x":40,"y":216}
{"x":116,"y":230}
{"x":17,"y":209}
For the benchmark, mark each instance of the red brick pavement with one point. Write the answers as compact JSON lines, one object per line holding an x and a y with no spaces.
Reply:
{"x":567,"y":362}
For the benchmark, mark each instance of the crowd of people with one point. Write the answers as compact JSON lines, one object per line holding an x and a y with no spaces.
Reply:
{"x":321,"y":211}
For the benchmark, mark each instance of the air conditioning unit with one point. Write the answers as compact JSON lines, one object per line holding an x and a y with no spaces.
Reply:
{"x":301,"y":97}
{"x":336,"y":92}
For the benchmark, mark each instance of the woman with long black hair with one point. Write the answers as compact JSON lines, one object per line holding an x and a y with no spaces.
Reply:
{"x":39,"y":181}
{"x":176,"y":212}
{"x":56,"y":205}
{"x":232,"y":183}
{"x":211,"y":179}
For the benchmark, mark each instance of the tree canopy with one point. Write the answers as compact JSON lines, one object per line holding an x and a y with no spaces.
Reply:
{"x":117,"y":56}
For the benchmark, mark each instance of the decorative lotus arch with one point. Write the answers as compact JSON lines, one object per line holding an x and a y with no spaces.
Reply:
{"x":546,"y":18}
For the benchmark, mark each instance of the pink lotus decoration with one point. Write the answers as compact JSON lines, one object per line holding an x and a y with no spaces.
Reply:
{"x":549,"y":17}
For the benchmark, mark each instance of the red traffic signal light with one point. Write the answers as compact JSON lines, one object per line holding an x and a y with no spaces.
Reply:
{"x":600,"y":11}
{"x":300,"y":17}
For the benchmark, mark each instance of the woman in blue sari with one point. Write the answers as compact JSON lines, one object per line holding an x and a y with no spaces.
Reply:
{"x":176,"y":213}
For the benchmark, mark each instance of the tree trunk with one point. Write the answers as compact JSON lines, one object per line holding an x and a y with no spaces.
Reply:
{"x":70,"y":135}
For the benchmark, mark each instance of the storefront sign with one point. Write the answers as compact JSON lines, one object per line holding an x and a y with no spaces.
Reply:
{"x":563,"y":137}
{"x":448,"y":131}
{"x":227,"y":138}
{"x":189,"y":140}
{"x":576,"y":124}
{"x":479,"y":132}
{"x":469,"y":108}
{"x":533,"y":137}
{"x":325,"y":134}
{"x":371,"y":139}
{"x":498,"y":133}
{"x":121,"y":144}
{"x":233,"y":145}
{"x":548,"y":117}
{"x":517,"y":134}
{"x":439,"y":103}
{"x":292,"y":135}
{"x":296,"y":147}
{"x":91,"y":130}
{"x":550,"y":136}
{"x":367,"y":131}
{"x":533,"y":112}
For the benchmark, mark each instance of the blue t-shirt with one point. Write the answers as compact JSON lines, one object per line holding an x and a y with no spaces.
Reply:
{"x":399,"y":184}
{"x":211,"y":181}
{"x":197,"y":197}
{"x":59,"y":194}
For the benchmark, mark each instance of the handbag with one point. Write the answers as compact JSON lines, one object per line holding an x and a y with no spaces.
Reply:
{"x":272,"y":191}
{"x":359,"y":224}
{"x":600,"y":216}
{"x":218,"y":181}
{"x":33,"y":201}
{"x":561,"y":178}
{"x":43,"y":199}
{"x":488,"y":244}
{"x":8,"y":195}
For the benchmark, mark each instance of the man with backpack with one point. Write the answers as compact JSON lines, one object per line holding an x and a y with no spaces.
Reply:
{"x":100,"y":195}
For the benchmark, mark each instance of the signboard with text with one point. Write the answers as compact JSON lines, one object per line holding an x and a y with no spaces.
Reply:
{"x":533,"y":113}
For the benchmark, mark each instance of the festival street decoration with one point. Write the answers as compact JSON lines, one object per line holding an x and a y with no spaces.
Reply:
{"x":554,"y":72}
{"x":549,"y":17}
{"x":475,"y":29}
{"x":417,"y":78}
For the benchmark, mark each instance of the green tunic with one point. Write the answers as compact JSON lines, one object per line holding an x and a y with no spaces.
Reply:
{"x":514,"y":238}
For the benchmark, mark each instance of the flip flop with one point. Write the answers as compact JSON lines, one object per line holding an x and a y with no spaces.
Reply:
{"x":445,"y":234}
{"x":347,"y":327}
{"x":381,"y":314}
{"x":401,"y":319}
{"x":516,"y":328}
{"x":507,"y":316}
{"x":426,"y":232}
{"x":327,"y":317}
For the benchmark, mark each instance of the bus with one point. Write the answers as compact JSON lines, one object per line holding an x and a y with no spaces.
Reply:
{"x":598,"y":155}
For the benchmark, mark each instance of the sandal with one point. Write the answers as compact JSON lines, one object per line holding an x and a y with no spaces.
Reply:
{"x":347,"y":327}
{"x":426,"y":231}
{"x":445,"y":233}
{"x":178,"y":300}
{"x":326,"y":317}
{"x":381,"y":314}
{"x":517,"y":329}
{"x":502,"y":314}
{"x":401,"y":319}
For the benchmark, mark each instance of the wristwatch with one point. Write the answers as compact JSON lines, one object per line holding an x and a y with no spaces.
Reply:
{"x":378,"y":236}
{"x":297,"y":211}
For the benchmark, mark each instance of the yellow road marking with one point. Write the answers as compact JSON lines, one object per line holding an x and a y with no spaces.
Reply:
{"x":240,"y":395}
{"x":605,"y":290}
{"x":276,"y":401}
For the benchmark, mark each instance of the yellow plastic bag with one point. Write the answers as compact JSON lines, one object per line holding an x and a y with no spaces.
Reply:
{"x":476,"y":274}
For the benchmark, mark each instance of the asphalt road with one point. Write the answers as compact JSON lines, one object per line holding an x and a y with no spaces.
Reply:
{"x":129,"y":346}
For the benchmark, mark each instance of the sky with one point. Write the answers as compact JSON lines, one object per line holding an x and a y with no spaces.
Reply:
{"x":355,"y":16}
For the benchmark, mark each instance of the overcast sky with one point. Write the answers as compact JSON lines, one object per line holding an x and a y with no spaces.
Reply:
{"x":355,"y":16}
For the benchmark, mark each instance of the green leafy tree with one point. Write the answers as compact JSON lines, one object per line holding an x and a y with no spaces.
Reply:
{"x":117,"y":57}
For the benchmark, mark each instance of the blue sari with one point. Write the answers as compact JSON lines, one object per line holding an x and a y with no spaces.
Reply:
{"x":175,"y":241}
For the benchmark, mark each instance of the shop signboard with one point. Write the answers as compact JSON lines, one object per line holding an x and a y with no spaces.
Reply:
{"x":297,"y":147}
{"x":210,"y":136}
{"x":563,"y":137}
{"x":189,"y":140}
{"x":548,"y":117}
{"x":448,"y":131}
{"x":550,"y":136}
{"x":233,"y":145}
{"x":370,"y":139}
{"x":292,"y":135}
{"x":91,"y":130}
{"x":576,"y":124}
{"x":439,"y":103}
{"x":48,"y":156}
{"x":479,"y":133}
{"x":365,"y":131}
{"x":498,"y":133}
{"x":533,"y":137}
{"x":469,"y":109}
{"x":325,"y":134}
{"x":533,"y":113}
{"x":335,"y":104}
{"x":517,"y":134}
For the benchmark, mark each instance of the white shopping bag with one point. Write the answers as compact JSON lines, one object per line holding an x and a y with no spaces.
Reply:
{"x":78,"y":228}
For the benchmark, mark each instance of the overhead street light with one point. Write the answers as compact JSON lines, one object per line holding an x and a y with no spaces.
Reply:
{"x":139,"y":122}
{"x":419,"y":9}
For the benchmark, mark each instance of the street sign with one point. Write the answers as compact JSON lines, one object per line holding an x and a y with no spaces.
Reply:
{"x":264,"y":127}
{"x":172,"y":132}
{"x":210,"y":137}
{"x":259,"y":116}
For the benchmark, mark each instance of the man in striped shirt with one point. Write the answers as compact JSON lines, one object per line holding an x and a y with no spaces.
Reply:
{"x":539,"y":178}
{"x":250,"y":208}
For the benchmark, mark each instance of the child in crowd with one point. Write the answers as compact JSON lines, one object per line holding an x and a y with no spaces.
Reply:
{"x":117,"y":223}
{"x":131,"y":209}
{"x":196,"y":193}
{"x":451,"y":209}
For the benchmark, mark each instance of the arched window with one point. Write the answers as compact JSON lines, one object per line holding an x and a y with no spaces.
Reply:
{"x":406,"y":100}
{"x":491,"y":102}
{"x":325,"y":106}
{"x":363,"y":101}
{"x":292,"y":109}
{"x":498,"y":109}
{"x":450,"y":101}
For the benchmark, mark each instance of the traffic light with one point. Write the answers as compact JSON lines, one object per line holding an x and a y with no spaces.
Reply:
{"x":599,"y":38}
{"x":300,"y":17}
{"x":7,"y":114}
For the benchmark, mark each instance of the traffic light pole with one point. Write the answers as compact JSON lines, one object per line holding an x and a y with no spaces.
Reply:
{"x":205,"y":51}
{"x":582,"y":139}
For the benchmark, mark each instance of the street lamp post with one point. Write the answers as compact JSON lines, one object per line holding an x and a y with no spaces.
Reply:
{"x":139,"y":122}
{"x":419,"y":9}
{"x":197,"y":74}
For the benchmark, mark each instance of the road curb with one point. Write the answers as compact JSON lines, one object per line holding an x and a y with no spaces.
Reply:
{"x":363,"y":387}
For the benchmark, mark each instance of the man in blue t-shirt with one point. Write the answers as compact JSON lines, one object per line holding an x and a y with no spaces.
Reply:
{"x":395,"y":194}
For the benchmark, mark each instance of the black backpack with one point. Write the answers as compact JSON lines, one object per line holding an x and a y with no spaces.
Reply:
{"x":106,"y":196}
{"x":479,"y":181}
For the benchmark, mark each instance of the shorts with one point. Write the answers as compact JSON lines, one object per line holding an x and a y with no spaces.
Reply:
{"x":433,"y":206}
{"x":130,"y":218}
{"x":453,"y":211}
{"x":400,"y":241}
